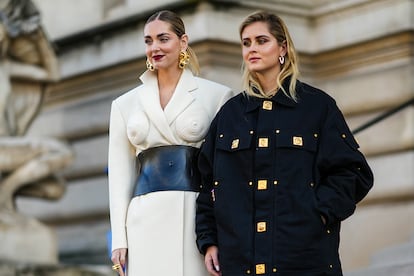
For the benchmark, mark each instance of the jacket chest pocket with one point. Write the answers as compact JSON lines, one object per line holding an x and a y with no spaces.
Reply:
{"x":297,"y":140}
{"x":233,"y":142}
{"x":233,"y":154}
{"x":295,"y":146}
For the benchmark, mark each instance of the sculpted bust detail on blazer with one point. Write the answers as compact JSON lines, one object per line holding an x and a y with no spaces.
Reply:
{"x":186,"y":118}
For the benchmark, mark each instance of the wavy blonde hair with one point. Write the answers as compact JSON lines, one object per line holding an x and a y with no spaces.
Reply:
{"x":290,"y":69}
{"x":177,"y":26}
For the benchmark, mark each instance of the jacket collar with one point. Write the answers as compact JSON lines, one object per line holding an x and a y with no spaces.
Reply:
{"x":278,"y":98}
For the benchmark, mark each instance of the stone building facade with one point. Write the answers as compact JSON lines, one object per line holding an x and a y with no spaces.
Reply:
{"x":359,"y":51}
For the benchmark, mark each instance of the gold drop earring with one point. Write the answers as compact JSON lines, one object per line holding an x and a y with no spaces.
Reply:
{"x":150,"y":66}
{"x":184,"y":59}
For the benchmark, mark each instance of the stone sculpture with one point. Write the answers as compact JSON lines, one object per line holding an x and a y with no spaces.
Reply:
{"x":29,"y":166}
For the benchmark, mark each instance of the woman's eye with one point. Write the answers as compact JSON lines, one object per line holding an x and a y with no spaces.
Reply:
{"x":147,"y":41}
{"x":262,"y":41}
{"x":246,"y":43}
{"x":164,"y":39}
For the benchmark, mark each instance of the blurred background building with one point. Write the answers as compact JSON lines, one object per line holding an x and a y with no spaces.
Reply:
{"x":359,"y":51}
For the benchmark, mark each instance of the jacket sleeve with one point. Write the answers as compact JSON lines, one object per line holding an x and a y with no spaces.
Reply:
{"x":343,"y":174}
{"x":121,"y":163}
{"x":206,"y":230}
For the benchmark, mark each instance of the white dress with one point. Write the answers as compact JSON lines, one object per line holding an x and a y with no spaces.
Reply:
{"x":158,"y":228}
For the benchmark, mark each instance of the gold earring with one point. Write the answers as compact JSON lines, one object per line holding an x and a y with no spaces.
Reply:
{"x":149,"y":65}
{"x":184,"y":59}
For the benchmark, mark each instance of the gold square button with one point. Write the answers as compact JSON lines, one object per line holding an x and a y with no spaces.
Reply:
{"x":262,"y":184}
{"x":235,"y":144}
{"x":297,"y":141}
{"x":263,"y":142}
{"x":261,"y":226}
{"x":267,"y":105}
{"x":260,"y":269}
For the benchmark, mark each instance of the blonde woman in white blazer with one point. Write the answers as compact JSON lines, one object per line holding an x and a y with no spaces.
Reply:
{"x":155,"y":131}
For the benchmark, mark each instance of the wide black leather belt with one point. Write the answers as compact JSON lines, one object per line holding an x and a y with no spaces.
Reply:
{"x":167,"y":168}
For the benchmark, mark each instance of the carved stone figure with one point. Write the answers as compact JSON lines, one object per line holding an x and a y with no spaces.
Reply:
{"x":29,"y":166}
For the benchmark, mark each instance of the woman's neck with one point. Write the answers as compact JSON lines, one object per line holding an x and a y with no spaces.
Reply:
{"x":268,"y":82}
{"x":168,"y":78}
{"x":167,"y":82}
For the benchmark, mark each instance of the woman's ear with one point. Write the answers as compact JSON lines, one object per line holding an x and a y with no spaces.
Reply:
{"x":283,"y":48}
{"x":184,"y":42}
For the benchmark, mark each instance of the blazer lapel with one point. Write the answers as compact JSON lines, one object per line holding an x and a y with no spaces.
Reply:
{"x":182,"y":96}
{"x":150,"y":102}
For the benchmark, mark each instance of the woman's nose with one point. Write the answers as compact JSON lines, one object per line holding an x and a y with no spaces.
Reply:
{"x":155,"y":47}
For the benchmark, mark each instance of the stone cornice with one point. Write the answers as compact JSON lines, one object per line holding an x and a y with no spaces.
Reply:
{"x":352,"y":58}
{"x":324,"y":65}
{"x":209,"y":53}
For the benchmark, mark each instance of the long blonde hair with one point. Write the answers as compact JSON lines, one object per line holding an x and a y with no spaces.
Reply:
{"x":290,"y":67}
{"x":177,"y":26}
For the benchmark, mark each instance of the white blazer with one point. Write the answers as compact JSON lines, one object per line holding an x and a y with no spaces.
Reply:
{"x":138,"y":122}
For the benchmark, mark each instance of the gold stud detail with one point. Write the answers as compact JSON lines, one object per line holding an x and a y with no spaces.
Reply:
{"x":277,"y":131}
{"x":221,"y":135}
{"x":235,"y":144}
{"x":343,"y":136}
{"x":263,"y":142}
{"x":261,"y":226}
{"x":297,"y":141}
{"x":260,"y":269}
{"x":215,"y":183}
{"x":267,"y":105}
{"x":275,"y":182}
{"x":251,"y":131}
{"x":262,"y":184}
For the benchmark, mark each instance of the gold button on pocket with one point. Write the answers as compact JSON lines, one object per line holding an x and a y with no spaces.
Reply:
{"x":235,"y":144}
{"x":263,"y":142}
{"x":297,"y":141}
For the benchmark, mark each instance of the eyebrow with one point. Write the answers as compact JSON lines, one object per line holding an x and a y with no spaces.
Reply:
{"x":257,"y":37}
{"x":158,"y":35}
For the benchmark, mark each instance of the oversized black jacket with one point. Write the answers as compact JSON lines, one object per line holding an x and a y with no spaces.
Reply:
{"x":271,"y":168}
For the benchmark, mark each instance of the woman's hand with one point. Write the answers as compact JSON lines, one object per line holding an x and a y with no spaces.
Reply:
{"x":211,"y":261}
{"x":119,"y":257}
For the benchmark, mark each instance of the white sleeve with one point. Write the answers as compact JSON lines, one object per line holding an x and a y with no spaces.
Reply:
{"x":121,"y":175}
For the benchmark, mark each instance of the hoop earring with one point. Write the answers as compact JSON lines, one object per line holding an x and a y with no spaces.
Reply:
{"x":150,"y":66}
{"x":281,"y":60}
{"x":184,"y":59}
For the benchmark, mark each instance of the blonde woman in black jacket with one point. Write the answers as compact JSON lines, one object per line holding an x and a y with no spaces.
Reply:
{"x":280,"y":168}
